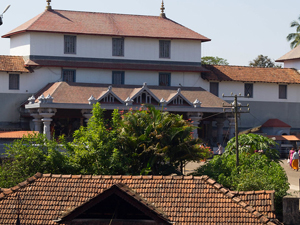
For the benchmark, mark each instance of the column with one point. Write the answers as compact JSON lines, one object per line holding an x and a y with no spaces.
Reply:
{"x":46,"y":114}
{"x":231,"y":127}
{"x":196,"y":118}
{"x":220,"y":126}
{"x":37,"y":120}
{"x":87,"y":114}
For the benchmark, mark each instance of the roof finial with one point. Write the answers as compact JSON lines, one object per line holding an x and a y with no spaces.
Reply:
{"x":163,"y":15}
{"x":48,"y":7}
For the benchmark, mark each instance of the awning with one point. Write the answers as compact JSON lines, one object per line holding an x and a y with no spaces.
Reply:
{"x":284,"y":137}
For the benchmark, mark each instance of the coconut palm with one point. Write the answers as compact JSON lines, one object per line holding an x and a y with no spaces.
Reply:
{"x":294,"y":37}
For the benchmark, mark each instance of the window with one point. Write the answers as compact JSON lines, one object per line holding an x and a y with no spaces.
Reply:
{"x":69,"y":75}
{"x":249,"y":90}
{"x":118,"y":77}
{"x":164,"y":79}
{"x":118,"y":46}
{"x":14,"y":81}
{"x":164,"y":49}
{"x":214,"y":88}
{"x":282,"y":91}
{"x":70,"y":44}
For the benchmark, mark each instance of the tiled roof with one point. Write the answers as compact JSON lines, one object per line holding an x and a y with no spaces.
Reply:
{"x":275,"y":123}
{"x":183,"y":199}
{"x":79,"y":93}
{"x":12,"y":64}
{"x":251,"y":74}
{"x":293,"y":54}
{"x":109,"y":24}
{"x":16,"y":134}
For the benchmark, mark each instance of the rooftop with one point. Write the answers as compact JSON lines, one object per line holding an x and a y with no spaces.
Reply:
{"x":108,"y":24}
{"x":45,"y":198}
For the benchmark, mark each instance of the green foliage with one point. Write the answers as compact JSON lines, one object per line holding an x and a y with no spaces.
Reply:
{"x":211,"y":60}
{"x":138,"y":142}
{"x":159,"y":142}
{"x":263,"y":61}
{"x":251,"y":143}
{"x":257,"y":171}
{"x":294,"y":37}
{"x":29,"y":155}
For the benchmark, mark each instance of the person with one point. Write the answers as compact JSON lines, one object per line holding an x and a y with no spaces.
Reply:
{"x":292,"y":151}
{"x":220,"y":149}
{"x":295,"y":162}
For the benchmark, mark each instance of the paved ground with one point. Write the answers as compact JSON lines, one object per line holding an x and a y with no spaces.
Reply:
{"x":293,"y":176}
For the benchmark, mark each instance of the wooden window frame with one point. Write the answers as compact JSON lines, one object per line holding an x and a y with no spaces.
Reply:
{"x":248,"y":90}
{"x":160,"y":79}
{"x":164,"y":49}
{"x":118,"y":46}
{"x":282,"y":91}
{"x":114,"y":80}
{"x":214,"y":88}
{"x":14,"y":81}
{"x":70,"y":44}
{"x":64,"y":71}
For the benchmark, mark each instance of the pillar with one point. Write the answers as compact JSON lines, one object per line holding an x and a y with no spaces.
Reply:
{"x":46,"y":115}
{"x":231,"y":127}
{"x":195,"y":121}
{"x":220,"y":126}
{"x":37,"y":120}
{"x":87,"y":114}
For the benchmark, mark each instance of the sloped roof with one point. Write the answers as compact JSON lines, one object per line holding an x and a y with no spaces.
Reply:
{"x":16,"y":134}
{"x":79,"y":93}
{"x":251,"y":74}
{"x":275,"y":123}
{"x":12,"y":64}
{"x":183,"y":199}
{"x":109,"y":24}
{"x":293,"y":54}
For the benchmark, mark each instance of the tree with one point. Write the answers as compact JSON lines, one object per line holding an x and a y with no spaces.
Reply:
{"x":257,"y":170}
{"x":294,"y":37}
{"x":31,"y":154}
{"x":262,"y":61}
{"x":211,"y":60}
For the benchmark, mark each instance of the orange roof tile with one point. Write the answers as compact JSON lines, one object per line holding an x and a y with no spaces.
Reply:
{"x":79,"y":93}
{"x":16,"y":134}
{"x":275,"y":123}
{"x":251,"y":74}
{"x":183,"y":200}
{"x":109,"y":24}
{"x":12,"y":64}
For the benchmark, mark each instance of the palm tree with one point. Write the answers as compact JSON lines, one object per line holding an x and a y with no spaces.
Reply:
{"x":294,"y":37}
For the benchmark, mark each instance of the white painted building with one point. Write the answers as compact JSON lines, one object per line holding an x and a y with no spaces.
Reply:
{"x":122,"y":60}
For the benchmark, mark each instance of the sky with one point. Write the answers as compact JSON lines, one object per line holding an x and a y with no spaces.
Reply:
{"x":239,"y":30}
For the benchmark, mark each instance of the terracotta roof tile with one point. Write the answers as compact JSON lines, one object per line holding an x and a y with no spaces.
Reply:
{"x":13,"y":64}
{"x":79,"y":93}
{"x":251,"y":74}
{"x":275,"y":123}
{"x":91,"y":23}
{"x":183,"y":201}
{"x":16,"y":134}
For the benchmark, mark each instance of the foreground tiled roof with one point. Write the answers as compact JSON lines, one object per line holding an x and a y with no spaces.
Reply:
{"x":293,"y":54}
{"x":275,"y":123}
{"x":79,"y":93}
{"x":251,"y":74}
{"x":183,"y":199}
{"x":16,"y":134}
{"x":91,"y":23}
{"x":12,"y":64}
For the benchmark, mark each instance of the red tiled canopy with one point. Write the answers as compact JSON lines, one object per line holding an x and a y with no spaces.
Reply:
{"x":183,"y":199}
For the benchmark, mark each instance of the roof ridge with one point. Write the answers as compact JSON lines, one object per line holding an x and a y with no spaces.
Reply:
{"x":7,"y":191}
{"x":239,"y":201}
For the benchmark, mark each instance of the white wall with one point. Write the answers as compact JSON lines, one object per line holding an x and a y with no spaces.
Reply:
{"x":262,"y":92}
{"x":20,"y":44}
{"x":294,"y":63}
{"x":48,"y":44}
